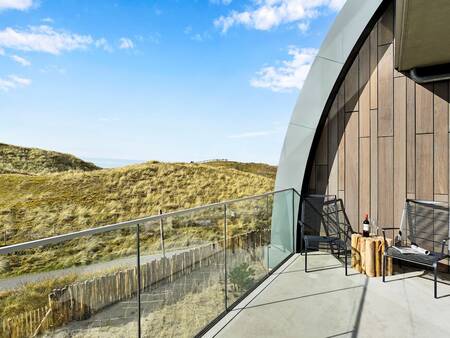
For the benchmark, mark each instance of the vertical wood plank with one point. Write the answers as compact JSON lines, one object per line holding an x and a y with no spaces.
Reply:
{"x":424,"y":108}
{"x":399,"y":148}
{"x":441,"y":138}
{"x":385,"y":181}
{"x":374,"y":68}
{"x":396,"y":73}
{"x":321,"y":179}
{"x":364,"y":89}
{"x":312,"y":179}
{"x":321,"y":153}
{"x":424,"y":166}
{"x":374,"y":165}
{"x":385,"y":92}
{"x":386,"y":27}
{"x":441,"y":198}
{"x":411,"y":136}
{"x":364,"y":177}
{"x":352,"y":168}
{"x":341,"y":136}
{"x":333,"y":150}
{"x":351,"y":88}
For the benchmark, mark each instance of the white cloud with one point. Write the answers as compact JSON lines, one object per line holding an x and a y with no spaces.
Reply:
{"x":20,"y":60}
{"x":337,"y":4}
{"x":303,"y":26}
{"x":268,"y":14}
{"x":13,"y":82}
{"x":126,"y":43}
{"x":291,"y":74}
{"x":154,"y":37}
{"x":2,"y":51}
{"x":20,"y":5}
{"x":43,"y":39}
{"x":48,"y":20}
{"x":103,"y":44}
{"x":252,"y":134}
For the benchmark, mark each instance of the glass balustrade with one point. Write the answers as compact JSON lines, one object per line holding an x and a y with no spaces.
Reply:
{"x":166,"y":275}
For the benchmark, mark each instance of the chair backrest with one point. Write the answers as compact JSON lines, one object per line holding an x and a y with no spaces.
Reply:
{"x":320,"y":215}
{"x":426,"y":224}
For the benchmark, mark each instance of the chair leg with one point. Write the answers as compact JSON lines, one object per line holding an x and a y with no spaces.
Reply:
{"x":345,"y":261}
{"x":384,"y":268}
{"x":435,"y":279}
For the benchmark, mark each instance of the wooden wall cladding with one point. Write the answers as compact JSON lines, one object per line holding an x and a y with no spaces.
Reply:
{"x":386,"y":138}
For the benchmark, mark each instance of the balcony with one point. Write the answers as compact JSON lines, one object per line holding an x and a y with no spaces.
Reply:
{"x":326,"y":303}
{"x":222,"y":270}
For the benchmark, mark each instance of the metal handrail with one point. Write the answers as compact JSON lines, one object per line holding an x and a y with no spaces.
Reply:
{"x":123,"y":225}
{"x":427,"y":202}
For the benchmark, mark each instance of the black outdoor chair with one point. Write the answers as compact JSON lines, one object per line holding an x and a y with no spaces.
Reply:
{"x":322,"y":221}
{"x":426,"y":224}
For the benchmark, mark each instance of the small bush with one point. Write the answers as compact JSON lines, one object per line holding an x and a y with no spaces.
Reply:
{"x":242,"y":277}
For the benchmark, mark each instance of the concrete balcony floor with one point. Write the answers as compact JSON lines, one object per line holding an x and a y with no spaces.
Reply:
{"x":326,"y":303}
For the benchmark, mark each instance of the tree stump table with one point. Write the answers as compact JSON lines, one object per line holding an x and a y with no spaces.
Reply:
{"x":367,"y":255}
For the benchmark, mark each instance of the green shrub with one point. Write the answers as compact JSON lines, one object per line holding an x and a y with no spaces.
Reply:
{"x":242,"y":277}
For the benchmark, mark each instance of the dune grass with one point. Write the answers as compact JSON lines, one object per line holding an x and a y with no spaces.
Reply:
{"x":21,"y":160}
{"x":33,"y":207}
{"x":261,"y":169}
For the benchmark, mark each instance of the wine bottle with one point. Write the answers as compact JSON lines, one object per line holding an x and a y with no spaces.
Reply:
{"x":366,"y":225}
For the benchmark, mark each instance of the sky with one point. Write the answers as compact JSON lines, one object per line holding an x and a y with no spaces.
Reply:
{"x":117,"y":82}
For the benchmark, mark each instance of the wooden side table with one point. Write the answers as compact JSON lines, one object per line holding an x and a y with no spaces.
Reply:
{"x":367,"y":255}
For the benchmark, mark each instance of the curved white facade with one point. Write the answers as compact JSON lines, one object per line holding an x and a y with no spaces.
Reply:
{"x":324,"y":72}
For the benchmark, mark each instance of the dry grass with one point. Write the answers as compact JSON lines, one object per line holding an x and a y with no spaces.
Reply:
{"x":33,"y":207}
{"x":261,"y":169}
{"x":20,"y":160}
{"x":30,"y":297}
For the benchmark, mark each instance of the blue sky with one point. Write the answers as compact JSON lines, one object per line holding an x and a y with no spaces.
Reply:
{"x":156,"y":80}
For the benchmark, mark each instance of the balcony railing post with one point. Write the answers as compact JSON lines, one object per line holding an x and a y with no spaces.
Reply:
{"x":138,"y":250}
{"x":225,"y":255}
{"x":293,"y":220}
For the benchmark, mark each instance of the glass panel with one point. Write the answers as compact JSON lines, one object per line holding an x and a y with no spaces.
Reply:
{"x":82,"y":287}
{"x":282,"y":234}
{"x":183,"y":285}
{"x":248,"y":238}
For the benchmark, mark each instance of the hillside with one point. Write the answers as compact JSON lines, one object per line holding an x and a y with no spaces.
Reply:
{"x":33,"y":207}
{"x":261,"y":169}
{"x":21,"y":160}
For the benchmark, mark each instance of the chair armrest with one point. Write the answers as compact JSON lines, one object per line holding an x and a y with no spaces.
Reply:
{"x":383,"y":230}
{"x":384,"y":238}
{"x":302,"y":226}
